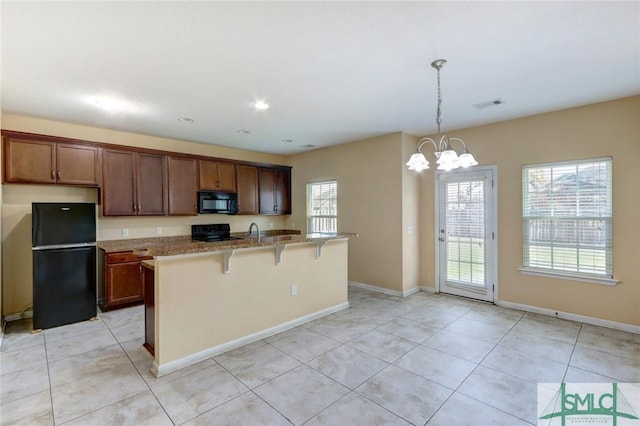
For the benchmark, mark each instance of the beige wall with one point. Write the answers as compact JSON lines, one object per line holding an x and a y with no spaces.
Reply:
{"x":370,"y":182}
{"x":599,"y":130}
{"x":199,"y":307}
{"x":410,"y":217}
{"x":17,"y":199}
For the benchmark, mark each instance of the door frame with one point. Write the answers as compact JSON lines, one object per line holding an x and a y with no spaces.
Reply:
{"x":494,"y":222}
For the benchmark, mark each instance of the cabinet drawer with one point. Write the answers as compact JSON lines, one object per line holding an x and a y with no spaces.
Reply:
{"x":121,"y":257}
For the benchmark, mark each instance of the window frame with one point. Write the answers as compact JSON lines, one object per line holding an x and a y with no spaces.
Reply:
{"x":607,"y":277}
{"x":310,"y":217}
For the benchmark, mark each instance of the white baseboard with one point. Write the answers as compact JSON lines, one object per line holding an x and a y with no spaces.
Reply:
{"x":161,"y":370}
{"x":385,"y":290}
{"x":18,"y":316}
{"x":573,"y":317}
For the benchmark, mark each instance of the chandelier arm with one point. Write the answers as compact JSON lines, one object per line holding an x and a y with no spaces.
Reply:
{"x":422,"y":141}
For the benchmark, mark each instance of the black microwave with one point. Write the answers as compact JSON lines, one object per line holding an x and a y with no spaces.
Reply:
{"x":217,"y":202}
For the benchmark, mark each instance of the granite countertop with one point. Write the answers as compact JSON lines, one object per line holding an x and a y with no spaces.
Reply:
{"x":169,"y":246}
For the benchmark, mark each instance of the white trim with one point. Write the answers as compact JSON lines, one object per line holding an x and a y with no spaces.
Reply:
{"x":383,"y":290}
{"x":18,"y":316}
{"x":573,"y":317}
{"x":568,"y":276}
{"x":494,"y":223}
{"x":2,"y":325}
{"x":169,"y":367}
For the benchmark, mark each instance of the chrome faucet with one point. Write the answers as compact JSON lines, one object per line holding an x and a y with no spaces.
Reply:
{"x":257,"y":229}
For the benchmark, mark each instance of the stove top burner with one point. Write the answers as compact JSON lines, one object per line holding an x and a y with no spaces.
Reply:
{"x":212,"y":232}
{"x":212,"y":238}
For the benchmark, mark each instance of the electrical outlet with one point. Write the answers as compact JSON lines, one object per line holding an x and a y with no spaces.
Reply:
{"x":159,"y":230}
{"x":125,"y":232}
{"x":293,"y":225}
{"x":294,"y":290}
{"x":271,"y":225}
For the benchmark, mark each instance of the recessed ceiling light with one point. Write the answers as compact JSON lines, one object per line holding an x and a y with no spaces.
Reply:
{"x":186,"y":120}
{"x":261,"y":105}
{"x":109,"y":103}
{"x":242,"y":132}
{"x":287,"y":140}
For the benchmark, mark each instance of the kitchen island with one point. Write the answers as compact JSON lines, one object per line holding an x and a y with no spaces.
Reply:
{"x":209,"y":298}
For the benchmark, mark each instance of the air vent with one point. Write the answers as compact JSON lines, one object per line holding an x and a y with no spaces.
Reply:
{"x":487,"y":104}
{"x":309,"y":145}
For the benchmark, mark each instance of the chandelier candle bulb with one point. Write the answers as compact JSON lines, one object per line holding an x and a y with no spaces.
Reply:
{"x":447,"y":158}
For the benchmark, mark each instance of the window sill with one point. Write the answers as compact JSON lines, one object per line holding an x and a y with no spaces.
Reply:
{"x":568,"y":276}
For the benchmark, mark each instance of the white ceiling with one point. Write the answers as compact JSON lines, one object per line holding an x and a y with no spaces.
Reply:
{"x":332,"y":71}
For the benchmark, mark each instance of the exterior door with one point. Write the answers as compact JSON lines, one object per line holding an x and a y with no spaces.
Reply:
{"x":465,"y":244}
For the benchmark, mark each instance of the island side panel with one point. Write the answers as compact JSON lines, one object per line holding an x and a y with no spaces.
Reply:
{"x":198,"y":307}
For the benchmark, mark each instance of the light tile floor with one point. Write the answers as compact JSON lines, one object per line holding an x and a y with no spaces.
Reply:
{"x":425,"y":359}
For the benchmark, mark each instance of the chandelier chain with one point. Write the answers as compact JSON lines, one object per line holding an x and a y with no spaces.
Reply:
{"x":438,"y":119}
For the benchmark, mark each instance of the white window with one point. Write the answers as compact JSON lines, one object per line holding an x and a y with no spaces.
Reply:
{"x":567,"y":219}
{"x":322,"y":207}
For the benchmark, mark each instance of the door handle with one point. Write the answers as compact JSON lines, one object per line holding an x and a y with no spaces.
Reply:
{"x":441,"y":239}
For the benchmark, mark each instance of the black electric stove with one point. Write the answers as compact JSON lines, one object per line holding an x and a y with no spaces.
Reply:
{"x":213,"y":232}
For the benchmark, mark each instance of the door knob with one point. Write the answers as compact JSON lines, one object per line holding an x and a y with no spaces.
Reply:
{"x":441,"y":239}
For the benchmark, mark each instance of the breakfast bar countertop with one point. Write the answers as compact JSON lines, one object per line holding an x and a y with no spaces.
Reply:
{"x":169,"y":246}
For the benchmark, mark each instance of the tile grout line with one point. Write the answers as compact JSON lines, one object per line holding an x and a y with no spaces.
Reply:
{"x":456,"y":390}
{"x":46,"y":358}
{"x":138,"y":373}
{"x":575,"y":343}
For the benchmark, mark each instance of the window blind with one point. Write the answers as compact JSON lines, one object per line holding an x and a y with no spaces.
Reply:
{"x":567,"y":217}
{"x":322,"y":207}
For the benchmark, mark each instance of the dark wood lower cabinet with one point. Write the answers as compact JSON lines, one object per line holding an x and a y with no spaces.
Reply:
{"x":148,"y":277}
{"x":119,"y":280}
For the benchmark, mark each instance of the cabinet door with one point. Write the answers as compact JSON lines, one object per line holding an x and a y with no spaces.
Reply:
{"x":217,"y":176}
{"x":283,"y":191}
{"x":118,"y":189}
{"x":267,"y":179}
{"x":227,"y":176}
{"x":183,"y":186}
{"x":208,"y":175}
{"x":247,"y":180}
{"x":77,"y":164}
{"x":150,"y":184}
{"x":29,"y":161}
{"x":124,"y":283}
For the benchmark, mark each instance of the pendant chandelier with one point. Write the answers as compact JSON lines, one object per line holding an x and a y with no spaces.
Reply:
{"x":447,"y":158}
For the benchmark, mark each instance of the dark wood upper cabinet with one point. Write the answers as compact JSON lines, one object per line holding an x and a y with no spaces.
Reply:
{"x":151,"y":184}
{"x":118,"y":183}
{"x":247,"y":180}
{"x":35,"y":161}
{"x":275,"y":190}
{"x":140,"y":181}
{"x":133,"y":184}
{"x":217,"y":176}
{"x":183,"y":186}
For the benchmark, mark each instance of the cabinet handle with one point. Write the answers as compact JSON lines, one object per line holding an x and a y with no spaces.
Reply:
{"x":53,"y":174}
{"x":58,"y":174}
{"x":138,"y":208}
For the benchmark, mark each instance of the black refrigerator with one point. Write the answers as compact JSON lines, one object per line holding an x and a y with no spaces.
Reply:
{"x":64,"y":263}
